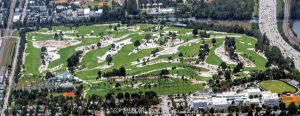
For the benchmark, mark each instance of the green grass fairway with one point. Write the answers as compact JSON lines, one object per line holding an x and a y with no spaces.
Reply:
{"x":243,"y":44}
{"x":276,"y":86}
{"x":33,"y":60}
{"x":212,"y":57}
{"x":163,"y":86}
{"x":145,"y":74}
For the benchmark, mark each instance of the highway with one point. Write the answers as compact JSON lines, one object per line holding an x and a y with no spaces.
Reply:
{"x":268,"y":25}
{"x":9,"y":32}
{"x":287,"y":31}
{"x":24,"y":13}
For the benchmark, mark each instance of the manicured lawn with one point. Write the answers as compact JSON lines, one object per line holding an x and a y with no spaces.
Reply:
{"x":163,"y":86}
{"x":276,"y":86}
{"x":122,"y":58}
{"x":66,"y":53}
{"x":242,"y":46}
{"x":32,"y":60}
{"x":29,"y":80}
{"x":212,"y":57}
{"x":90,"y":59}
{"x":192,"y":50}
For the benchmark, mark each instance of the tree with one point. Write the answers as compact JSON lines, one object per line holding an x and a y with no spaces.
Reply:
{"x":108,"y":59}
{"x":212,"y":111}
{"x":250,"y":112}
{"x":227,"y":75}
{"x":99,"y":74}
{"x":48,"y":75}
{"x":113,"y":45}
{"x":122,"y":71}
{"x":180,"y":55}
{"x":147,"y":37}
{"x":292,"y":109}
{"x":117,"y":85}
{"x":282,"y":106}
{"x":132,"y":7}
{"x":73,"y":61}
{"x":223,"y":65}
{"x":43,"y":49}
{"x":99,"y":44}
{"x":238,"y":67}
{"x":120,"y":96}
{"x":110,"y":26}
{"x":213,"y":41}
{"x":55,"y":36}
{"x":164,"y":72}
{"x":195,"y":32}
{"x":153,"y":52}
{"x":61,"y":35}
{"x":170,"y":58}
{"x":137,"y":44}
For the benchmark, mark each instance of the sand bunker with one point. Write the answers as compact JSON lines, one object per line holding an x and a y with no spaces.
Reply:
{"x":55,"y":44}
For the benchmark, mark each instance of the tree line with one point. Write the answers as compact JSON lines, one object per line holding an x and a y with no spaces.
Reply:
{"x":295,"y":11}
{"x":224,"y":9}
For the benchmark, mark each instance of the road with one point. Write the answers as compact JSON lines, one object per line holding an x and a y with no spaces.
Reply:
{"x":10,"y":79}
{"x":165,"y":107}
{"x":24,"y":13}
{"x":268,"y":25}
{"x":287,"y":31}
{"x":9,"y":32}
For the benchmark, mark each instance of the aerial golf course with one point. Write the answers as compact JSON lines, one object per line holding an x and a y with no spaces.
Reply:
{"x":144,"y":50}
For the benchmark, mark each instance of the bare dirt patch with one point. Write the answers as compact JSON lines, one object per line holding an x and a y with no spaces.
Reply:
{"x":55,"y":44}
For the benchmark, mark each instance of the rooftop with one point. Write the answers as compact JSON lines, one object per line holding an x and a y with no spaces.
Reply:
{"x":269,"y":95}
{"x":253,"y":90}
{"x":219,"y":101}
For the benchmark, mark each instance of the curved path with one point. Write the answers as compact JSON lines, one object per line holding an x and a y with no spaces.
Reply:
{"x":286,"y":29}
{"x":268,"y":25}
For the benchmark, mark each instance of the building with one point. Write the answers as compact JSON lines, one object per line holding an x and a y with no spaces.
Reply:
{"x":101,"y":3}
{"x":221,"y":101}
{"x":86,"y":12}
{"x":270,"y":99}
{"x":61,"y":1}
{"x":2,"y":74}
{"x":16,"y":17}
{"x":158,"y":11}
{"x":64,"y":76}
{"x":294,"y":82}
{"x":199,"y":102}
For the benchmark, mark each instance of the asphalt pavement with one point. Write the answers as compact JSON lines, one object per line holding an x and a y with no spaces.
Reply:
{"x":268,"y":25}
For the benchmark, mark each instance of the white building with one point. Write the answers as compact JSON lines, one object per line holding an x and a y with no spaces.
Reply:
{"x":221,"y":101}
{"x":270,"y":99}
{"x":157,"y":11}
{"x":16,"y":17}
{"x":254,"y":92}
{"x":86,"y":12}
{"x":199,"y":102}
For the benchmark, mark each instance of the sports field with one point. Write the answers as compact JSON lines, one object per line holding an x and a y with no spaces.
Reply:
{"x":287,"y":99}
{"x":276,"y":86}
